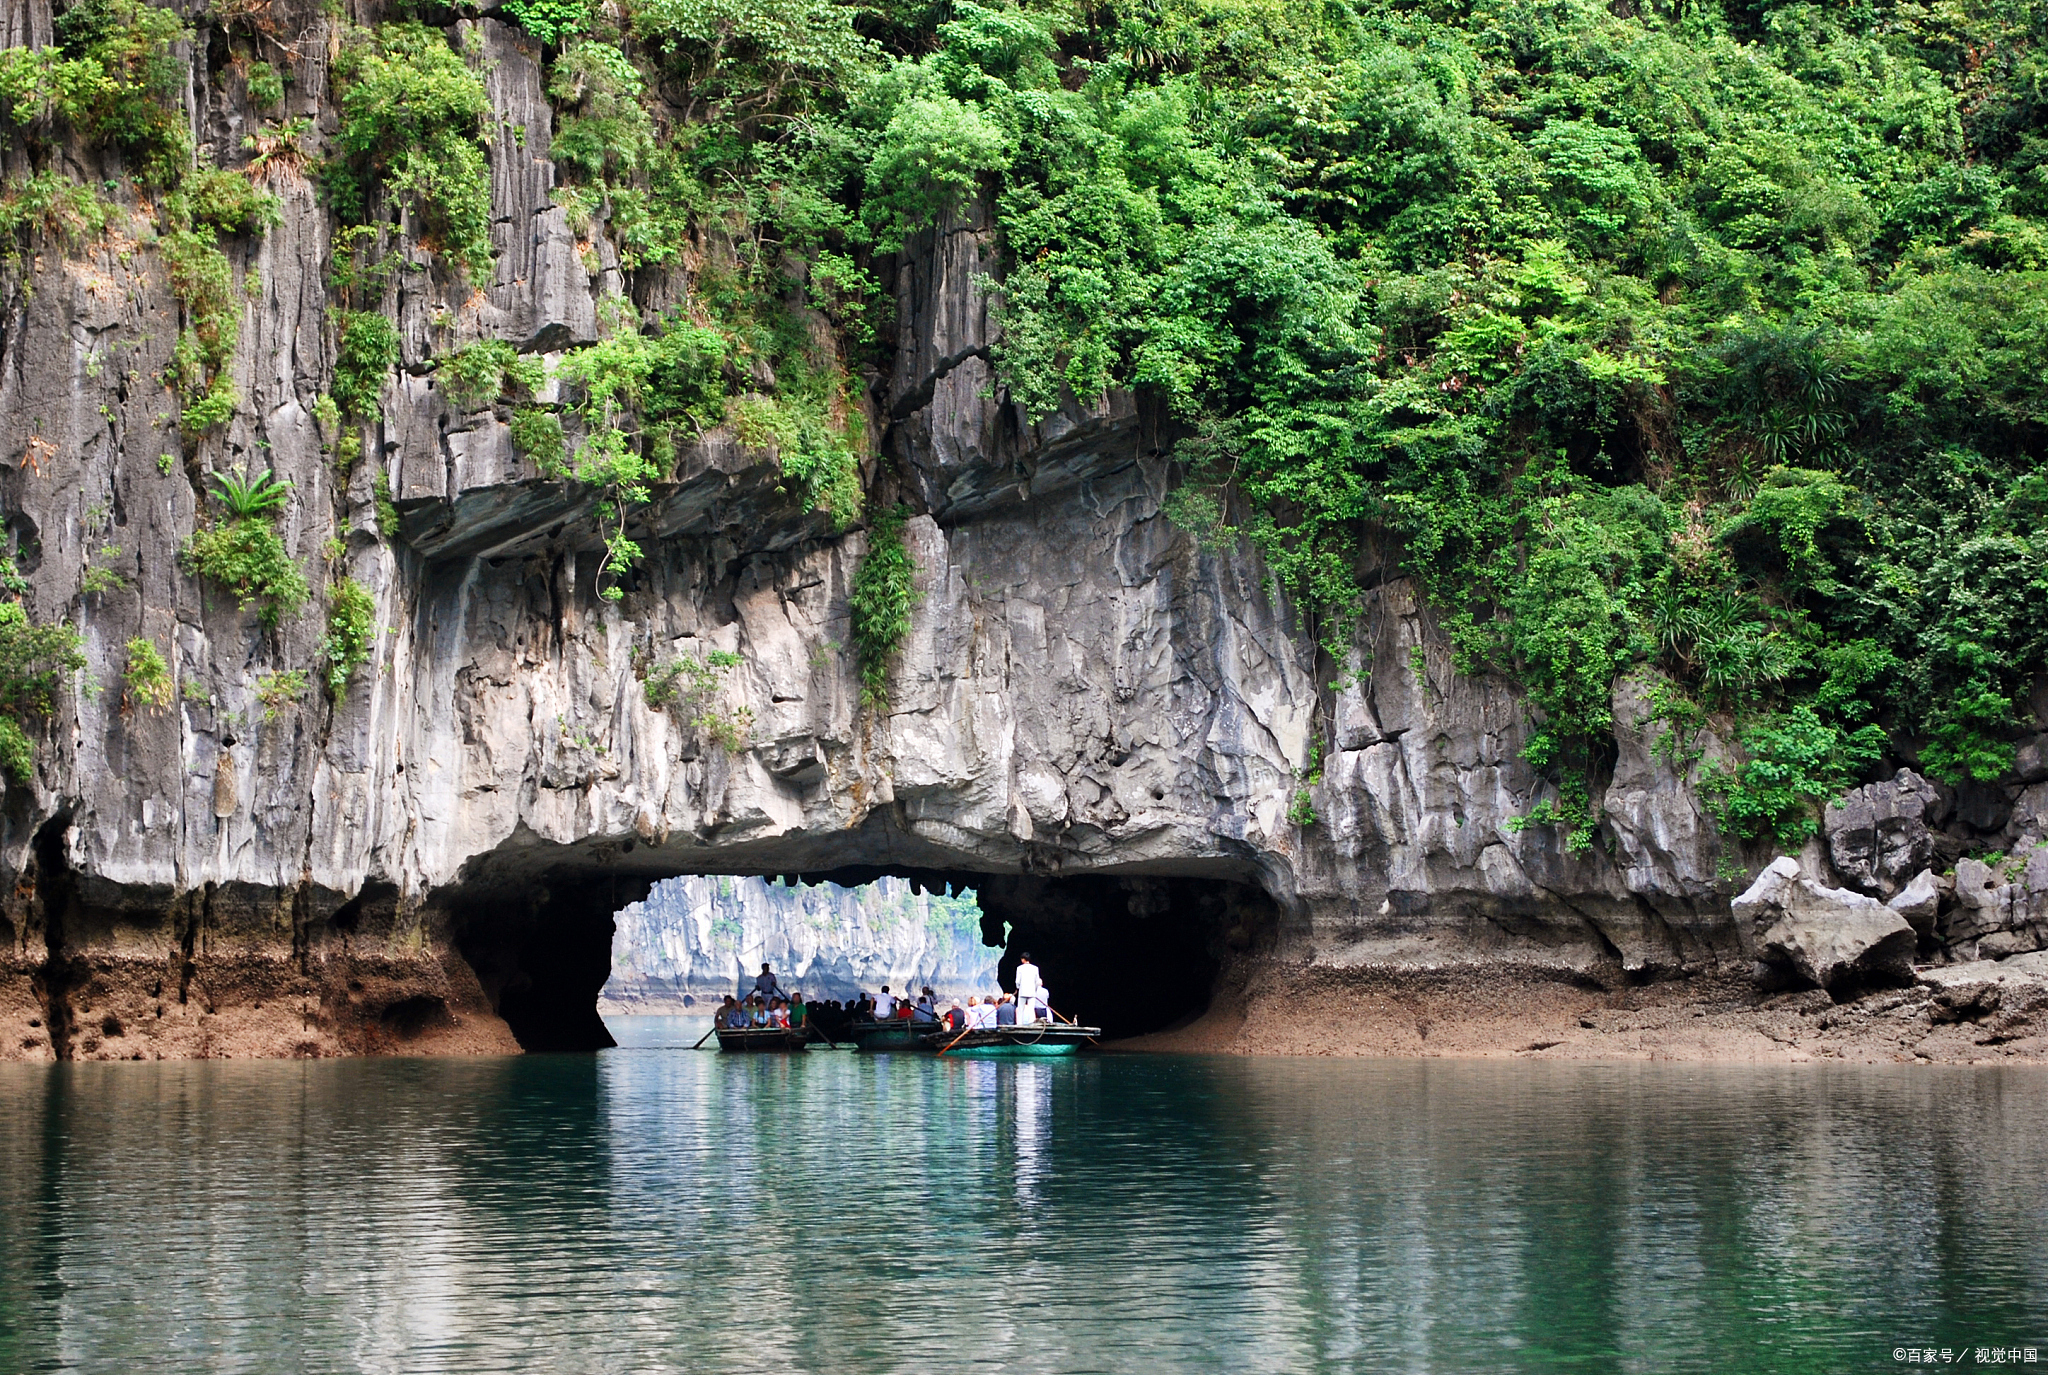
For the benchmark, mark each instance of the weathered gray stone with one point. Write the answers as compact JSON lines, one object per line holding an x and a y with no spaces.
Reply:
{"x":2029,"y":824}
{"x":1831,"y":937}
{"x":2030,"y":762}
{"x":1984,"y":807}
{"x":1879,"y":834}
{"x":1920,"y":900}
{"x":1999,"y":944}
{"x":2019,"y":971}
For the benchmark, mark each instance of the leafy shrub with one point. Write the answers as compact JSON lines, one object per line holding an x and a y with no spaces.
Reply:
{"x":686,"y":681}
{"x":266,"y":85}
{"x":412,"y":119}
{"x":537,"y":433}
{"x":33,"y":662}
{"x":551,"y":21}
{"x":52,"y":204}
{"x":691,"y":684}
{"x":475,"y":376}
{"x":229,"y":202}
{"x":136,"y":103}
{"x":608,"y":131}
{"x":932,"y":156}
{"x":203,"y":282}
{"x":212,"y":409}
{"x":1796,"y":763}
{"x":368,"y":350}
{"x":351,"y":632}
{"x":247,"y":558}
{"x":387,"y":509}
{"x":881,"y":601}
{"x":149,"y":677}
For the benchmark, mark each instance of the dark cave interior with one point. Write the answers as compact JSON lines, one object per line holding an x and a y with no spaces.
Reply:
{"x":1128,"y":953}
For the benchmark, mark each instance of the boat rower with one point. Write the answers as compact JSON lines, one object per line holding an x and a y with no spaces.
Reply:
{"x":1030,"y":988}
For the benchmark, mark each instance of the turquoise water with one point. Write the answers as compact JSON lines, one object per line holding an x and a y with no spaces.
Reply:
{"x":650,"y":1209}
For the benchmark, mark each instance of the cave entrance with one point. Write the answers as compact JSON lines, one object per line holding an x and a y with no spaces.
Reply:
{"x":698,"y":939}
{"x":1131,"y":953}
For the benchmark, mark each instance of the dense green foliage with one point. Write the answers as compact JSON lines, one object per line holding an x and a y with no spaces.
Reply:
{"x":1697,"y":342}
{"x":477,"y":374}
{"x":351,"y":632}
{"x":551,"y":21}
{"x":737,"y":194}
{"x":412,"y":121}
{"x":368,"y":352}
{"x":880,"y":603}
{"x":1703,"y":341}
{"x":33,"y":662}
{"x":247,"y":558}
{"x":228,"y":202}
{"x":114,"y":75}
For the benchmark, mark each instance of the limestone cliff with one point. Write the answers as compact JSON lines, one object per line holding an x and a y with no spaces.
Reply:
{"x":1106,"y":729}
{"x":694,"y":939}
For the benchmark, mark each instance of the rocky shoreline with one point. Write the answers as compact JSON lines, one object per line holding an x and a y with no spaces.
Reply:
{"x":1981,"y":1013}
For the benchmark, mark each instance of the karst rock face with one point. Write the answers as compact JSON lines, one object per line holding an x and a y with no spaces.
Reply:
{"x":1105,"y":727}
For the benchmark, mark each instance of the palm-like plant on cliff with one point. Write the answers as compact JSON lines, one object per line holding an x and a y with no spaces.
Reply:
{"x":259,"y":497}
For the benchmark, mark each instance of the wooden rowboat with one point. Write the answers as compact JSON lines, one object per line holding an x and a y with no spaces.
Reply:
{"x":1037,"y":1040}
{"x":772,"y":1038}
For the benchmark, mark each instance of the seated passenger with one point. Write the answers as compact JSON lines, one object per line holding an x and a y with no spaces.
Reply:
{"x":903,"y":1010}
{"x":885,"y":1005}
{"x":981,"y":1015}
{"x":924,"y":1014}
{"x":1041,"y":1006}
{"x":798,"y":1009}
{"x":1006,"y":1012}
{"x":956,"y":1017}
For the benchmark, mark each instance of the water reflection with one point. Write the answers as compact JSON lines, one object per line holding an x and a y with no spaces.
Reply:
{"x":651,"y":1209}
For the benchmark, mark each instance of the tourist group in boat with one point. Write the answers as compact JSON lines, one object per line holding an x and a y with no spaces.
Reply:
{"x":1024,"y":1022}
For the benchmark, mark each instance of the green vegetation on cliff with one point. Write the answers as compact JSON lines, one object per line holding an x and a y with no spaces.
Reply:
{"x":412,"y":124}
{"x":34,"y":661}
{"x":1705,"y":340}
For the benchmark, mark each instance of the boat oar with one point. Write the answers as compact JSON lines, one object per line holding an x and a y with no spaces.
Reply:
{"x":957,"y":1039}
{"x":1071,"y":1022}
{"x":706,"y":1036}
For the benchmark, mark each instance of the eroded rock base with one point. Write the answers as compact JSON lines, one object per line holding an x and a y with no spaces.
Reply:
{"x":261,"y":1005}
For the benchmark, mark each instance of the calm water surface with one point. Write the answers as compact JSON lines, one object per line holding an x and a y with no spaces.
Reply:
{"x":649,"y":1209}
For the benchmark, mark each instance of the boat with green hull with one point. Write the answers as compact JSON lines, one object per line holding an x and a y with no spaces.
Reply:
{"x":1036,"y":1040}
{"x":893,"y":1033}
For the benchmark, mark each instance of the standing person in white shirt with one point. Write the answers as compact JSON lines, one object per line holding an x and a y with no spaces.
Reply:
{"x":1029,"y":986}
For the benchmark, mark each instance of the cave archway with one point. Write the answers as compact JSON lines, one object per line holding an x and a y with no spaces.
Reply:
{"x":1129,"y":952}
